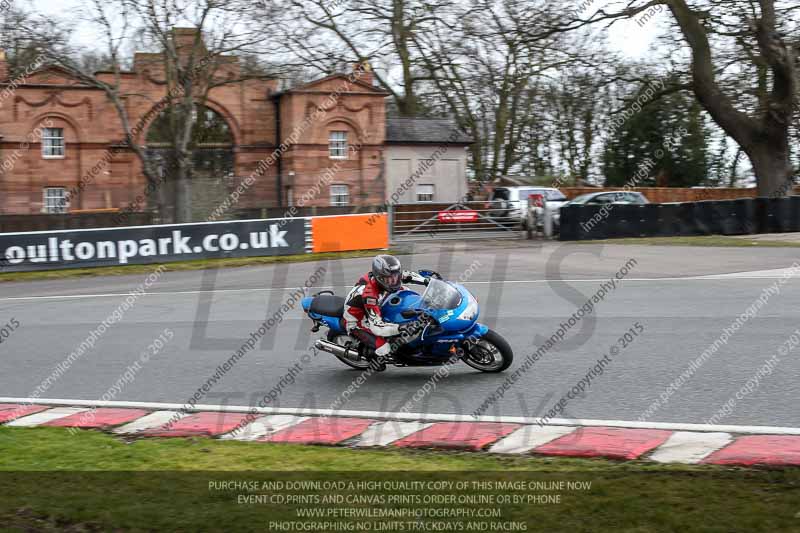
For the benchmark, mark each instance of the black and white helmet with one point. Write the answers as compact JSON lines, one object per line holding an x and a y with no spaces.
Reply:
{"x":388,"y":272}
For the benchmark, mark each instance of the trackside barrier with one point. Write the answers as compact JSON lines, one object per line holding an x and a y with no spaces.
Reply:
{"x":50,"y":250}
{"x":340,"y":233}
{"x":72,"y":220}
{"x":715,"y":217}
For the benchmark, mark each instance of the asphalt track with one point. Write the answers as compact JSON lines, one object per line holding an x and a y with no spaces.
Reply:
{"x":525,"y":291}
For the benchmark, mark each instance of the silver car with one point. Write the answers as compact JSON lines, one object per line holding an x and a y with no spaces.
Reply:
{"x":603,"y":198}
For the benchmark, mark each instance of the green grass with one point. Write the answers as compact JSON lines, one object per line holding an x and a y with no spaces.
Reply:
{"x":197,"y":264}
{"x":54,"y":481}
{"x":705,"y":240}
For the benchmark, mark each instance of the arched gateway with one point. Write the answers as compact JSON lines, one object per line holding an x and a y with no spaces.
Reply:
{"x":213,"y":157}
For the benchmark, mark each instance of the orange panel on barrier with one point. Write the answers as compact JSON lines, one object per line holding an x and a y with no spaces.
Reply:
{"x":350,"y":232}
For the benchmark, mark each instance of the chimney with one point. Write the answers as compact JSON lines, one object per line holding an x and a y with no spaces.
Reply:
{"x":184,"y":39}
{"x":3,"y":65}
{"x":363,"y":72}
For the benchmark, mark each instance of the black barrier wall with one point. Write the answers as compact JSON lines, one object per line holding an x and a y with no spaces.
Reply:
{"x":47,"y":250}
{"x":719,"y":217}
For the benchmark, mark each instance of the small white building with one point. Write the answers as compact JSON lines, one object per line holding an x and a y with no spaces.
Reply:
{"x":426,"y":161}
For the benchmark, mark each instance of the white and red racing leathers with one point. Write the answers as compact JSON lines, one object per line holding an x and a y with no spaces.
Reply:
{"x":362,"y":309}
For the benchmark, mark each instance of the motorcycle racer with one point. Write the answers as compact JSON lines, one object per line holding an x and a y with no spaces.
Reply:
{"x":363,"y":306}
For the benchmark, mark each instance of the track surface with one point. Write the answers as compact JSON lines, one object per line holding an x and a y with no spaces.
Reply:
{"x":525,"y":290}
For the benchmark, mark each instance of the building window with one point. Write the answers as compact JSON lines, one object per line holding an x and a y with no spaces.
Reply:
{"x":339,"y":195}
{"x":425,"y":193}
{"x":55,"y":200}
{"x":53,"y":142}
{"x":337,"y":145}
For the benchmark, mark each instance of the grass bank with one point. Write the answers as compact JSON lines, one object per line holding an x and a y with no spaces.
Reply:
{"x":92,"y":481}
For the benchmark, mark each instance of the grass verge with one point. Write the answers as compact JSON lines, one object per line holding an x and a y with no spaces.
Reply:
{"x":197,"y":264}
{"x":704,"y":240}
{"x":52,"y":481}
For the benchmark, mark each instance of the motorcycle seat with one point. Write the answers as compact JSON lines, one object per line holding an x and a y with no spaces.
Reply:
{"x":328,"y":305}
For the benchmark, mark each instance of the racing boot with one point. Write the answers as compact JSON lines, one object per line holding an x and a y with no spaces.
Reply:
{"x":382,"y":354}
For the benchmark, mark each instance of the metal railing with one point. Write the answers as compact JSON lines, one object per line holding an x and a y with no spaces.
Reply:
{"x":462,"y":220}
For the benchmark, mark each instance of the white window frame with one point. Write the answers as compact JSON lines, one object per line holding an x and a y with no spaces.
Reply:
{"x":432,"y":193}
{"x":50,"y":203}
{"x":336,"y":195}
{"x":49,"y":134}
{"x":337,"y":144}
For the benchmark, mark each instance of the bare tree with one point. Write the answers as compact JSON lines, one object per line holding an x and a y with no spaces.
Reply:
{"x":481,"y":62}
{"x":744,"y":71}
{"x":490,"y":73}
{"x":327,"y":34}
{"x":24,"y":50}
{"x":577,"y":101}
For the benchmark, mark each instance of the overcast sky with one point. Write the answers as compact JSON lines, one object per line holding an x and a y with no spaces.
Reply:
{"x":626,"y":36}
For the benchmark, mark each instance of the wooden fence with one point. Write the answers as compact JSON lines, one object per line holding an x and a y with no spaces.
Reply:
{"x":662,"y":195}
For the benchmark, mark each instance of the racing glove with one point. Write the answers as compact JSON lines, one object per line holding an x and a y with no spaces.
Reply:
{"x":414,"y":277}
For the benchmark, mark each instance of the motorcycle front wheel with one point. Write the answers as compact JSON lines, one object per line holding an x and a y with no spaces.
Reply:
{"x":490,"y":353}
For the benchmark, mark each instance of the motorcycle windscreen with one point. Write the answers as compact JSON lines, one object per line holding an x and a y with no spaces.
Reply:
{"x":440,"y":295}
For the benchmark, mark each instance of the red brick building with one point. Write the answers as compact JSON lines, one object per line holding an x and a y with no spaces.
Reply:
{"x":56,"y":132}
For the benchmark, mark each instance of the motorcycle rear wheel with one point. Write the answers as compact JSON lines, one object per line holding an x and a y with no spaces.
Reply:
{"x":338,"y":338}
{"x":491,"y":353}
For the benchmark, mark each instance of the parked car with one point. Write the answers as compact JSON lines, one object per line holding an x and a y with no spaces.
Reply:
{"x":510,"y":204}
{"x":602,"y":198}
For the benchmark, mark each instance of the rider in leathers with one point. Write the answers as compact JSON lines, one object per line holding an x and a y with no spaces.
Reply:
{"x":363,"y":305}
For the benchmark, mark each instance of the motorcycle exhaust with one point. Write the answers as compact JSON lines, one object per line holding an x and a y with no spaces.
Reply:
{"x":336,"y":349}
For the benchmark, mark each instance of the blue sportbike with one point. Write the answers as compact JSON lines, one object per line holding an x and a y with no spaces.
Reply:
{"x":439,"y":327}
